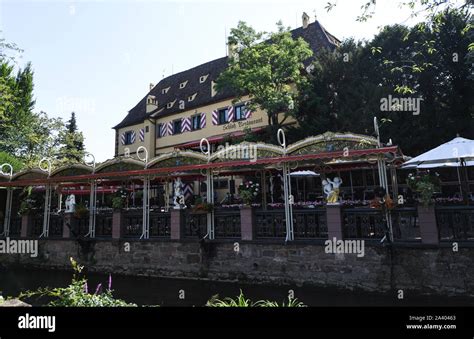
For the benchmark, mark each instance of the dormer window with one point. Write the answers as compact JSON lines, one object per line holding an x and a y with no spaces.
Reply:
{"x":170,"y":104}
{"x":151,"y":100}
{"x":165,"y":90}
{"x":183,"y":84}
{"x":192,"y":97}
{"x":203,"y":78}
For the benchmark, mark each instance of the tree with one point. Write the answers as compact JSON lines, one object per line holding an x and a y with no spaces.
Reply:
{"x":267,"y":67}
{"x":347,"y":86}
{"x":72,"y":149}
{"x":433,"y":12}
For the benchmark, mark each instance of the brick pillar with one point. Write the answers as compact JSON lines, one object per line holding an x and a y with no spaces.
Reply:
{"x":246,"y":223}
{"x":68,"y":219}
{"x":176,"y":224}
{"x":26,"y":225}
{"x":428,"y":227}
{"x":116,"y":224}
{"x":334,"y":221}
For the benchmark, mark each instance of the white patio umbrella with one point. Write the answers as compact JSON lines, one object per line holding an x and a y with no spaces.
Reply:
{"x":303,"y":174}
{"x":458,"y":152}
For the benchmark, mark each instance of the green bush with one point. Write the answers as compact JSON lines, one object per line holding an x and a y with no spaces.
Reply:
{"x":77,"y":293}
{"x":241,"y":301}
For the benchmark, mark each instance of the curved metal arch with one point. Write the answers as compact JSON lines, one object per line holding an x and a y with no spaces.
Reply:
{"x":329,"y":136}
{"x":71,"y":166}
{"x":184,"y":154}
{"x":260,"y":146}
{"x":119,"y":160}
{"x":29,"y":171}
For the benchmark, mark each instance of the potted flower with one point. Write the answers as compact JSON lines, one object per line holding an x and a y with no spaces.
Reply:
{"x":120,"y":198}
{"x":248,"y":192}
{"x":425,"y":185}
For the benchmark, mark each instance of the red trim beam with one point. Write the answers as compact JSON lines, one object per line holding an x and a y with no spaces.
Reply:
{"x":165,"y":171}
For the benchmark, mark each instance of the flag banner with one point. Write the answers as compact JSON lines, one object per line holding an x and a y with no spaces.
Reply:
{"x":230,"y":114}
{"x":215,"y":117}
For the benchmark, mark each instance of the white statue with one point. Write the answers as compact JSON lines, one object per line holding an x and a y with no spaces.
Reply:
{"x":70,"y":203}
{"x":178,"y":197}
{"x":331,"y":189}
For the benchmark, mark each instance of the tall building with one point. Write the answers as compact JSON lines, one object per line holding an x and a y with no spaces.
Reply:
{"x":185,"y":107}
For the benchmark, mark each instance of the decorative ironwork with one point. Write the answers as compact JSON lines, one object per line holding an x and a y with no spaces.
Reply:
{"x":132,"y":224}
{"x":455,"y":222}
{"x":270,"y":224}
{"x":363,"y":223}
{"x":195,"y":224}
{"x":37,"y":225}
{"x":160,"y":224}
{"x":55,"y":226}
{"x":15,"y":227}
{"x":310,"y":223}
{"x":405,"y":224}
{"x":103,"y":225}
{"x":227,"y":223}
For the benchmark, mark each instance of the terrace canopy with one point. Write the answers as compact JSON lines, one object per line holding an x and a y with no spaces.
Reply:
{"x":321,"y":154}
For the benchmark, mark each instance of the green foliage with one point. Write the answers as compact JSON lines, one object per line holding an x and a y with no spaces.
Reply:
{"x":268,"y":68}
{"x":241,"y":301}
{"x":346,"y":86}
{"x":248,"y":191}
{"x":72,"y":141}
{"x":16,"y":163}
{"x":77,"y":294}
{"x":118,"y":203}
{"x":425,"y":185}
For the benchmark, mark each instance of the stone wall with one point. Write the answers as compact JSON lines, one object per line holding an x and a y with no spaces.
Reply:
{"x":419,"y":269}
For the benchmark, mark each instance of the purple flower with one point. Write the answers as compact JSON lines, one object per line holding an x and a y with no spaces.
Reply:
{"x":110,"y":282}
{"x":98,"y":289}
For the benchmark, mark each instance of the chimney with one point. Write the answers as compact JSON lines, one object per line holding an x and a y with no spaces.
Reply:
{"x":305,"y":18}
{"x":151,"y":85}
{"x":232,"y":50}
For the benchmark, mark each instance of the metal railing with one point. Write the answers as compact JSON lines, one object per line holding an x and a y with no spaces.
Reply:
{"x":227,"y":223}
{"x":310,"y":223}
{"x":269,"y":224}
{"x":405,"y":224}
{"x":160,"y":224}
{"x":455,"y":222}
{"x":363,"y":223}
{"x":132,"y":225}
{"x":194,"y":224}
{"x":15,"y":227}
{"x":103,"y":225}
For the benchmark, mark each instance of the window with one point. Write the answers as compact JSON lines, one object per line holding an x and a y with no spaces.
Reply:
{"x":240,"y":112}
{"x":159,"y":130}
{"x":177,"y":126}
{"x":165,"y":90}
{"x":129,"y":137}
{"x":223,"y":116}
{"x":170,"y":104}
{"x":191,"y":97}
{"x":196,"y":122}
{"x":203,"y":78}
{"x":183,"y":84}
{"x":146,"y":129}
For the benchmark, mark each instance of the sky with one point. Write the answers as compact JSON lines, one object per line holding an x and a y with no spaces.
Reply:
{"x":97,"y":58}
